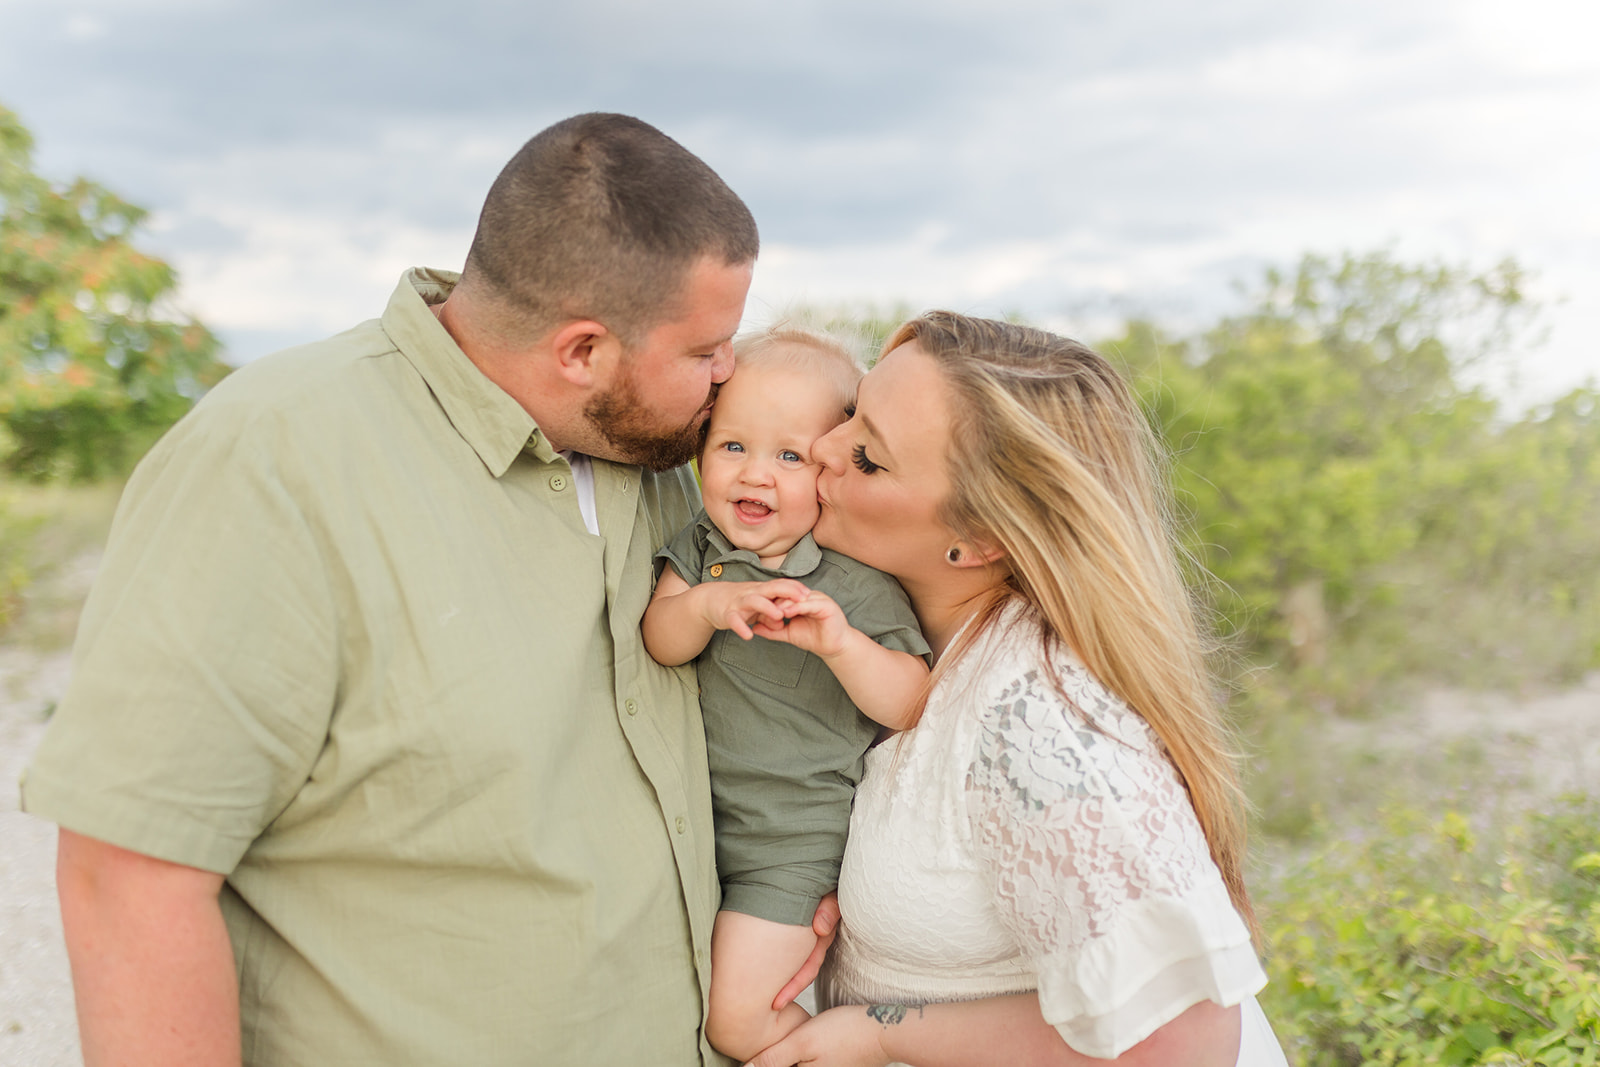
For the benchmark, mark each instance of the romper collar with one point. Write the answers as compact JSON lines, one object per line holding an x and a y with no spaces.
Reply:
{"x":802,"y":559}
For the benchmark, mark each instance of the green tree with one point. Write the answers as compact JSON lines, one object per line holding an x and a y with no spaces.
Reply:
{"x":1323,"y":434}
{"x":94,"y":362}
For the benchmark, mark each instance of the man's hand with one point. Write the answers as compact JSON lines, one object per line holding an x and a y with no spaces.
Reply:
{"x":825,"y":924}
{"x":152,"y":966}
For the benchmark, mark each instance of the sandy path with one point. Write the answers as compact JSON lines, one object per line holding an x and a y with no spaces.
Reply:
{"x":37,"y":1027}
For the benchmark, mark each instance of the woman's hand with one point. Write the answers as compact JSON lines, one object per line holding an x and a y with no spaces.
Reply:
{"x":839,"y":1037}
{"x":825,"y":924}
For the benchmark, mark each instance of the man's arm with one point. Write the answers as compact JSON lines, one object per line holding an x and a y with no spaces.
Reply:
{"x":152,"y":966}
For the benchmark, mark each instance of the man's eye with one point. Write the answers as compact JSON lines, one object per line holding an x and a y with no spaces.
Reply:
{"x":865,"y":465}
{"x":790,"y":456}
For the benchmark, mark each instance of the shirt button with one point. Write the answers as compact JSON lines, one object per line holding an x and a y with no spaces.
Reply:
{"x":716,"y":570}
{"x":681,"y":824}
{"x":632,"y":706}
{"x":558,"y":482}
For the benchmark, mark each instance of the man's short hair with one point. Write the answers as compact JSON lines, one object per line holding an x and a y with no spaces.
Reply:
{"x":600,"y":217}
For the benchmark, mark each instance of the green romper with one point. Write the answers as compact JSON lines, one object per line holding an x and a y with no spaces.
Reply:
{"x":785,"y":743}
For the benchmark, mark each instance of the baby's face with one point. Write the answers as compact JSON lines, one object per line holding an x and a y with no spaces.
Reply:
{"x":756,"y":473}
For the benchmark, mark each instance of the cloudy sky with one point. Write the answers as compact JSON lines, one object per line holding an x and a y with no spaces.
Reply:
{"x":1074,"y":161}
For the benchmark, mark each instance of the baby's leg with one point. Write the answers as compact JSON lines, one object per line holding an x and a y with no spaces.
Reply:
{"x":751,"y":959}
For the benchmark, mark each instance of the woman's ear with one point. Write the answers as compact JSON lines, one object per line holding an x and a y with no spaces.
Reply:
{"x":974,"y":553}
{"x":586,"y":352}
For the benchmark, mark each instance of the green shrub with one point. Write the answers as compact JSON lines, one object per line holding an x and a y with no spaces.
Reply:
{"x":1432,"y":944}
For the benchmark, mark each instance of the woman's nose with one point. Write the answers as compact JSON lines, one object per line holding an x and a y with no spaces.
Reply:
{"x":829,"y":449}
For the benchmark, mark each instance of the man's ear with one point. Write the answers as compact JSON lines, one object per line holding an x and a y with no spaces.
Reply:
{"x":585,"y":352}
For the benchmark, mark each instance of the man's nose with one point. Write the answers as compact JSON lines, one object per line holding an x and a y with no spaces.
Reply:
{"x":722,"y":363}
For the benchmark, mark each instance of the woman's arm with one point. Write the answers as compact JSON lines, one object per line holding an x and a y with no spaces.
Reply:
{"x":978,"y":1033}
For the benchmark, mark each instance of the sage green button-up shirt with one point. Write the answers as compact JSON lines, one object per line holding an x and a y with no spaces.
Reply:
{"x":352,"y":646}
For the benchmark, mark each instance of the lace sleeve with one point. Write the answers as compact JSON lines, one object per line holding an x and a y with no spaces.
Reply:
{"x":1100,"y":869}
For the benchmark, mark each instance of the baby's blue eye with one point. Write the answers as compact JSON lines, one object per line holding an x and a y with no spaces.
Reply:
{"x":733,"y":446}
{"x":788,"y":455}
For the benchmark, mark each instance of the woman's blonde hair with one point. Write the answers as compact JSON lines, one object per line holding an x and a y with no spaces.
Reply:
{"x":1054,"y":462}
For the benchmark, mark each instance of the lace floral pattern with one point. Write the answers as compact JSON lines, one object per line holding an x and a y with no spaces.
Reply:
{"x":1024,"y":837}
{"x":1077,"y":810}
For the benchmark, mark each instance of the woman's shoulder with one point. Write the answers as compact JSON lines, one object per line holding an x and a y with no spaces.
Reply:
{"x":1016,"y":670}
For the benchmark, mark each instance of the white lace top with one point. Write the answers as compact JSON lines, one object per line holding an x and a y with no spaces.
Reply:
{"x":1013,"y":841}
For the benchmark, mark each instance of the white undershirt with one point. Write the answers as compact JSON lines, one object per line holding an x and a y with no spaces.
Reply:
{"x":583,"y":478}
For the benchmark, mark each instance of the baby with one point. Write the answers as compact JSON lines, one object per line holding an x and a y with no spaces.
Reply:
{"x":801,"y":653}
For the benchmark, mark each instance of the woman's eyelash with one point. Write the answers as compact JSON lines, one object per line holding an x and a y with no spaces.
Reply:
{"x":865,"y":465}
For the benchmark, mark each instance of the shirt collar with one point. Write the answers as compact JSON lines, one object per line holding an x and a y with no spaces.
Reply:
{"x":486,"y":417}
{"x":801,"y":560}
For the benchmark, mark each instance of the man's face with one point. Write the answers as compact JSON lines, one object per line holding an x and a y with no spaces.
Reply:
{"x":661,"y":393}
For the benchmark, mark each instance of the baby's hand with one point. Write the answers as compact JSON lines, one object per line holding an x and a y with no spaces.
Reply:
{"x":813,"y":622}
{"x":749,"y":608}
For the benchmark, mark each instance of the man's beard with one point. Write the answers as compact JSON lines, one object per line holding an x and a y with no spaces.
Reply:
{"x":623,"y":421}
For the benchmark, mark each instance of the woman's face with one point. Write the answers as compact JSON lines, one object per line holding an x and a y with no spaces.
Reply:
{"x":884,"y":472}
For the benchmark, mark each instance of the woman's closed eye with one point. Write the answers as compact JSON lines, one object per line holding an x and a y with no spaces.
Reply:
{"x":863,"y":464}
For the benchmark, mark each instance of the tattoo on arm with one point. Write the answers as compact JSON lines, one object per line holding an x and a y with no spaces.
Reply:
{"x":889,"y":1014}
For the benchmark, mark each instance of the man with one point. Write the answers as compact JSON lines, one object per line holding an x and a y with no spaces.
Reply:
{"x":362,"y":761}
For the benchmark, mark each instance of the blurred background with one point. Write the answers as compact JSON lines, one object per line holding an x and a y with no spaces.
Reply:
{"x":1348,"y":251}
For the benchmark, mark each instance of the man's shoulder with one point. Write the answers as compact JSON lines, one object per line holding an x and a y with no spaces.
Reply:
{"x":294,"y":376}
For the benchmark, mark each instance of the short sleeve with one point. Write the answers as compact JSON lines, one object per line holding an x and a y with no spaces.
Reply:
{"x":1100,"y":869}
{"x":684,"y":553}
{"x":877,"y":606}
{"x":206,"y":666}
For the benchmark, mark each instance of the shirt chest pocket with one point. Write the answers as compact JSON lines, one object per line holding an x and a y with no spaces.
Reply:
{"x":770,"y":661}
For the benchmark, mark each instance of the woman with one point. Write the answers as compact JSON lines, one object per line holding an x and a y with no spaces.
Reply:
{"x":1048,"y":867}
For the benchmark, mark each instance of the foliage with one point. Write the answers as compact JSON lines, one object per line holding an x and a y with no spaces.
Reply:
{"x":17,"y":534}
{"x":1428,"y":945}
{"x":1370,"y":513}
{"x":93,"y":364}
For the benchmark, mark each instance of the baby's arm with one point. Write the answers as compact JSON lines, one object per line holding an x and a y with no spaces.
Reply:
{"x":882,"y":682}
{"x":681,"y":617}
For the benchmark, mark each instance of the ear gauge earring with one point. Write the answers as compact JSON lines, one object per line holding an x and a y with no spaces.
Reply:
{"x":954,"y":555}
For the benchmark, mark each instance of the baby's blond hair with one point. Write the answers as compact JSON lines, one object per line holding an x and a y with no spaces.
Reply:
{"x":831,"y":356}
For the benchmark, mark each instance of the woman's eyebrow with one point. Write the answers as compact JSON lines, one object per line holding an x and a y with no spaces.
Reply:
{"x":883,"y":449}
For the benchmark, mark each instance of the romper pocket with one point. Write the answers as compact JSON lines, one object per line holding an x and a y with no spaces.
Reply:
{"x":770,"y":661}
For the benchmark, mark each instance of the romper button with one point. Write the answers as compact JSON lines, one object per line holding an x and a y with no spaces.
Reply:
{"x":716,"y":570}
{"x":681,"y":825}
{"x":558,"y":482}
{"x":632,"y":706}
